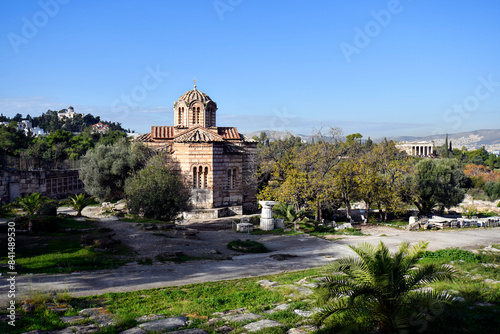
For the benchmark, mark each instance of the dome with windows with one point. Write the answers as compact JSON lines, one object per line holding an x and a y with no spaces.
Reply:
{"x":195,"y":95}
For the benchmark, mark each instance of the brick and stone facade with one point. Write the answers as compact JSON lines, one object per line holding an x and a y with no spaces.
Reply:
{"x":218,"y":163}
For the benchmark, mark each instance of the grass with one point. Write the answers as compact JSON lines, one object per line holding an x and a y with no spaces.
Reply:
{"x":62,"y":251}
{"x":199,"y":301}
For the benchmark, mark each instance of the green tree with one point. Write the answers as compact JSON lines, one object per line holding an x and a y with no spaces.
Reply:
{"x":156,"y":191}
{"x":379,"y":291}
{"x":288,"y":212}
{"x":439,"y":183}
{"x":105,"y":168}
{"x":12,"y":140}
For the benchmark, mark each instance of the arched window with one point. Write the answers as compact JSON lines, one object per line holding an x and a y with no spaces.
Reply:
{"x":198,"y":115}
{"x":205,"y":178}
{"x":200,"y":177}
{"x":195,"y":178}
{"x":231,"y":178}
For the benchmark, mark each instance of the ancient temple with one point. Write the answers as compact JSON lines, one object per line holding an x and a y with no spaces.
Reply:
{"x":218,"y":163}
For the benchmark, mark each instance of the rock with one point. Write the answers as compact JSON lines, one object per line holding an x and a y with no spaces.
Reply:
{"x":72,"y":319}
{"x":281,"y":307}
{"x":485,"y":304}
{"x":224,"y":329}
{"x":459,"y":299}
{"x":302,"y":281}
{"x":490,"y":281}
{"x":78,"y":329}
{"x":267,"y":283}
{"x":305,"y":314}
{"x":135,"y":330}
{"x":151,"y":317}
{"x":168,"y":324}
{"x":302,"y":329}
{"x":99,"y":315}
{"x":259,"y":325}
{"x":242,"y":317}
{"x":189,"y":331}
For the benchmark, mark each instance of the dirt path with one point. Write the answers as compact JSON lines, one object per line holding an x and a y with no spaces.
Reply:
{"x":309,"y":251}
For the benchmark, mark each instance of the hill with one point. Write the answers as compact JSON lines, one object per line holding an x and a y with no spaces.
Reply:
{"x":472,"y":140}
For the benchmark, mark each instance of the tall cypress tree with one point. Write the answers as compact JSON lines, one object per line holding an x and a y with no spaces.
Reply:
{"x":446,"y":155}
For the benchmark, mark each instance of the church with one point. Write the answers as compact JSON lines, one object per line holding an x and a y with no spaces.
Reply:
{"x":217,"y":163}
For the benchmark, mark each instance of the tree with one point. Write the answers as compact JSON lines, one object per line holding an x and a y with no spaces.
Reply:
{"x":288,"y":212}
{"x":157,"y":191}
{"x":79,"y":202}
{"x":439,"y":183}
{"x":105,"y":168}
{"x":378,"y":289}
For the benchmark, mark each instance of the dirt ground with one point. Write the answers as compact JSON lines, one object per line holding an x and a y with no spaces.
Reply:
{"x":207,"y":240}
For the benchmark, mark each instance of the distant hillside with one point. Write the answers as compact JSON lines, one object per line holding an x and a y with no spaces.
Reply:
{"x":277,"y":135}
{"x":472,"y":140}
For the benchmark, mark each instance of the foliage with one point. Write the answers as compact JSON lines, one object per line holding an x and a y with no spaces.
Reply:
{"x":247,"y":246}
{"x":79,"y":202}
{"x":450,"y":254}
{"x":105,"y":168}
{"x":288,"y":212}
{"x":12,"y":140}
{"x":379,"y":289}
{"x":31,"y":203}
{"x":440,"y":183}
{"x":157,"y":191}
{"x":492,"y":189}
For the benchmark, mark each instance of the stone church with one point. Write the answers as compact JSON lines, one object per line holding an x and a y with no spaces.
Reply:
{"x":218,"y":163}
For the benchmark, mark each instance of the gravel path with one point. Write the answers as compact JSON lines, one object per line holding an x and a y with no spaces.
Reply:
{"x":310,"y":252}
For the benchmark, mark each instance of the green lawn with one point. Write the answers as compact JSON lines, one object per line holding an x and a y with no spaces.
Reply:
{"x":62,"y":251}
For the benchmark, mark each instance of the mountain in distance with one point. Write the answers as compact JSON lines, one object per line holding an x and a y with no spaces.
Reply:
{"x":472,"y":140}
{"x":279,"y":135}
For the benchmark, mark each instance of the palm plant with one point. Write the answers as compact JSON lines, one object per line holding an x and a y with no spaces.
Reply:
{"x":31,"y":203}
{"x":379,"y":289}
{"x":79,"y":202}
{"x":288,"y":212}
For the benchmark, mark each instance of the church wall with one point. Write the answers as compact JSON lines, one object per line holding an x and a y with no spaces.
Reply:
{"x":189,"y":155}
{"x":249,"y":178}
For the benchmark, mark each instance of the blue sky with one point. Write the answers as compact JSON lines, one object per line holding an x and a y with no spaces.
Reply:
{"x":381,"y":68}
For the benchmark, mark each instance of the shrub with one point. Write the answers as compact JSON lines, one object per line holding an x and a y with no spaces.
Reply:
{"x":47,"y":209}
{"x":156,"y":191}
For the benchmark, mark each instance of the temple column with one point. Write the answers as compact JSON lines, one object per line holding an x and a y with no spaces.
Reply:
{"x":266,"y":217}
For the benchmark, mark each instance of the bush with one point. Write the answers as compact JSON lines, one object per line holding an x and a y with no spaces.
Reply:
{"x":156,"y":191}
{"x":48,"y":209}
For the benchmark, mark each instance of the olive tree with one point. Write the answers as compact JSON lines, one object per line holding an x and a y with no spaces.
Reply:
{"x":157,"y":191}
{"x":105,"y":168}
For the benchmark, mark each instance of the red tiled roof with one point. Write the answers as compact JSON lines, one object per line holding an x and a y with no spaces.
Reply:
{"x":229,"y":133}
{"x":162,"y":132}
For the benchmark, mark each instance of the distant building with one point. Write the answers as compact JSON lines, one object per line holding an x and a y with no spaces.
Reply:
{"x":70,"y":113}
{"x":417,"y":148}
{"x":100,"y":128}
{"x":26,"y":126}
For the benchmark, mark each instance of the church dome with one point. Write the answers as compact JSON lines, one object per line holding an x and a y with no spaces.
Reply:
{"x":195,"y":95}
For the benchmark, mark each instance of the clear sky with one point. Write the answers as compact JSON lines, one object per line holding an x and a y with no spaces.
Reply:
{"x":381,"y":68}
